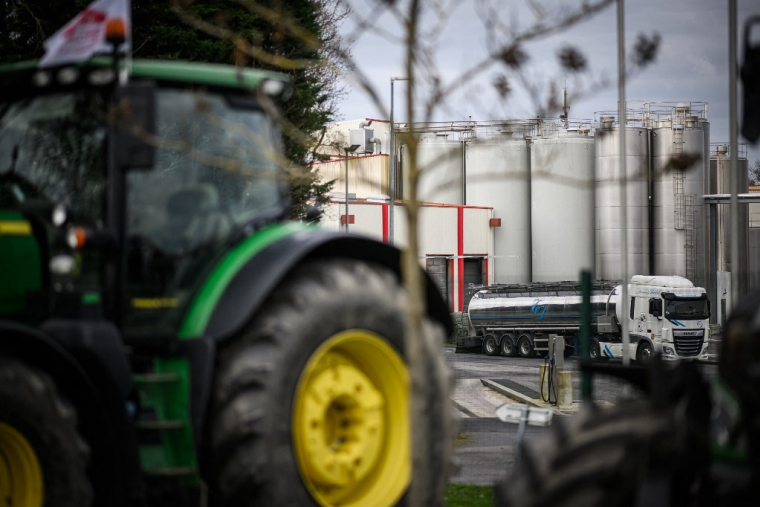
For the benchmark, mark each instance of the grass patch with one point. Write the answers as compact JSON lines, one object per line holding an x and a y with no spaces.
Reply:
{"x":468,"y":495}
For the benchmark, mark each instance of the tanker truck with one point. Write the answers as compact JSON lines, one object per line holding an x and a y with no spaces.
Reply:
{"x":667,"y":315}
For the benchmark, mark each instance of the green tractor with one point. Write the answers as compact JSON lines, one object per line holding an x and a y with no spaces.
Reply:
{"x":166,"y":335}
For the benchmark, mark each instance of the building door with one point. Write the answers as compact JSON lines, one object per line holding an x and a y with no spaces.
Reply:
{"x":473,"y":271}
{"x":438,"y":269}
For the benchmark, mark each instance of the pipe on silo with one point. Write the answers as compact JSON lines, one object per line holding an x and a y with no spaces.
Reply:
{"x":650,"y":182}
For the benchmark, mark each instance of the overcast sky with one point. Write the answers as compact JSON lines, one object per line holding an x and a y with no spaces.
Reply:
{"x":692,"y":64}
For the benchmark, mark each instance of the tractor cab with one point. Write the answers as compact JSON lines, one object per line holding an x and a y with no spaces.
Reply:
{"x":131,"y":193}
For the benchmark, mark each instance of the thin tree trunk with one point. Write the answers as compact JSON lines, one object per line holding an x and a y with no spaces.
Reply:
{"x":413,"y":281}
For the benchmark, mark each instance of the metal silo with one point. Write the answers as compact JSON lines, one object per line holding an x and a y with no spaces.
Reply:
{"x":562,"y":203}
{"x":678,"y":169}
{"x":498,"y":175}
{"x":441,"y":162}
{"x":608,"y":180}
{"x":720,"y":161}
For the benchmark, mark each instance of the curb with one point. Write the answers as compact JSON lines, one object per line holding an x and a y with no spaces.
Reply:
{"x":510,"y":393}
{"x":521,"y":398}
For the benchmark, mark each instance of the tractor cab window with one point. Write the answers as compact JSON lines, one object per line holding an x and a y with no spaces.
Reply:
{"x":216,"y":173}
{"x":53,"y":151}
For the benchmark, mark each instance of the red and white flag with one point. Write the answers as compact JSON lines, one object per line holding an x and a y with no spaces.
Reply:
{"x":85,"y":35}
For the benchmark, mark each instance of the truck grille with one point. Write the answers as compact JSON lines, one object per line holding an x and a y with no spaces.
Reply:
{"x":688,"y":343}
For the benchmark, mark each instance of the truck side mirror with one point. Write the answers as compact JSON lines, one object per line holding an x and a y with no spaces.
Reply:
{"x":134,"y":125}
{"x":655,"y":307}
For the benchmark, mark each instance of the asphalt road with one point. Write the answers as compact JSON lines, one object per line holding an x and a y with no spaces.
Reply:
{"x":485,"y":447}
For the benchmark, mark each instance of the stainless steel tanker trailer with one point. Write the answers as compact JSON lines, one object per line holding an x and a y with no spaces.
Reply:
{"x":667,"y":315}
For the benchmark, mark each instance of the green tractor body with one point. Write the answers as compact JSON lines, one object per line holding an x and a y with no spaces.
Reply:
{"x":166,"y":320}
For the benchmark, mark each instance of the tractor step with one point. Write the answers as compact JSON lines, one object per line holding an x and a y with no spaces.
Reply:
{"x":169,"y":424}
{"x":155,"y":378}
{"x":171,"y":472}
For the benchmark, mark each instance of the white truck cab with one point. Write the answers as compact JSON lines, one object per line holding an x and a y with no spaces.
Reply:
{"x":667,"y":314}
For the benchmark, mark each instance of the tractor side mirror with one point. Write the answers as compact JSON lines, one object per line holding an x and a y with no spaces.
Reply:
{"x":134,"y":122}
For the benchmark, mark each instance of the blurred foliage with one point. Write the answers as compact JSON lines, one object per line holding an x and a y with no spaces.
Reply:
{"x":159,"y":33}
{"x":645,"y":50}
{"x":754,"y":173}
{"x":571,"y":59}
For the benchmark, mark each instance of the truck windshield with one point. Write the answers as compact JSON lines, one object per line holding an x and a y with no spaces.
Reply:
{"x":687,"y":309}
{"x":216,"y":170}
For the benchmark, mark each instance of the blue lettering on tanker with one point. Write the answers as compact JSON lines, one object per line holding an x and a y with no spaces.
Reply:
{"x":538,"y":309}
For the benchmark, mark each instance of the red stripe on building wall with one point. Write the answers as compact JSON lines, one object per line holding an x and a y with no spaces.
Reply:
{"x":385,"y":223}
{"x":460,"y":255}
{"x":450,"y":275}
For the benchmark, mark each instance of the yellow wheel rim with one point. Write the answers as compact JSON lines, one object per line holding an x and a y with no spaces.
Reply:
{"x":351,"y":422}
{"x":20,"y":472}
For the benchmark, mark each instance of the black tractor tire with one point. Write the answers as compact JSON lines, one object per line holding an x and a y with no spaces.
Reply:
{"x":490,"y":345}
{"x":525,"y":346}
{"x":644,"y":353}
{"x":508,"y":345}
{"x":257,"y":457}
{"x":39,"y":441}
{"x":611,"y":457}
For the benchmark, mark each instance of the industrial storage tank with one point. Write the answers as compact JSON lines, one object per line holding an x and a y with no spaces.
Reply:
{"x":562,"y":202}
{"x":678,"y":233}
{"x":441,"y":162}
{"x":498,"y":176}
{"x":608,"y":181}
{"x":720,"y":162}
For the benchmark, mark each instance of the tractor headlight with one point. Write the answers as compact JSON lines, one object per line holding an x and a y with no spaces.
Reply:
{"x":668,"y":351}
{"x":60,"y":215}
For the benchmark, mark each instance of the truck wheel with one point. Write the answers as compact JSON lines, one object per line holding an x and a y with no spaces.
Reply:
{"x":525,"y":346}
{"x":490,"y":347}
{"x":644,"y":353}
{"x":311,"y":402}
{"x":43,"y":459}
{"x":604,"y":457}
{"x":508,"y":345}
{"x":594,"y":351}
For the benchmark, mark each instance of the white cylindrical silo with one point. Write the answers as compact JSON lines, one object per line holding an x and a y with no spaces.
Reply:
{"x":608,"y":181}
{"x":441,"y":165}
{"x":720,"y":162}
{"x":498,"y":176}
{"x":678,"y":169}
{"x":562,"y":204}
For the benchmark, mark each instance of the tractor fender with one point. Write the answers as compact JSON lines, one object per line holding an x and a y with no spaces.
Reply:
{"x":100,"y":404}
{"x":261,"y":274}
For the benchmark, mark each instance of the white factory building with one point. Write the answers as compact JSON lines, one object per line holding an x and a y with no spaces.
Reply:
{"x":455,"y":245}
{"x":539,"y":200}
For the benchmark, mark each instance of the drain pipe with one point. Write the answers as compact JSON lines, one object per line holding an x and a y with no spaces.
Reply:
{"x":650,"y":181}
{"x":464,"y":171}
